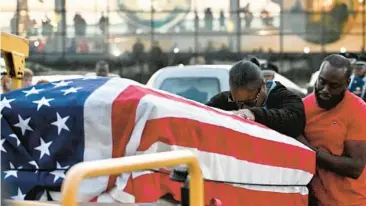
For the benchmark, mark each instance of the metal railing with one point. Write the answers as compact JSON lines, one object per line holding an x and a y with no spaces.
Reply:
{"x":80,"y":171}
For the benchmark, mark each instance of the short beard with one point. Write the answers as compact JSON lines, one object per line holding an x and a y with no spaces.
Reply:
{"x":330,"y":103}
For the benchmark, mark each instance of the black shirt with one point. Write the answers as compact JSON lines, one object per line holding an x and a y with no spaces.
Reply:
{"x":284,"y":111}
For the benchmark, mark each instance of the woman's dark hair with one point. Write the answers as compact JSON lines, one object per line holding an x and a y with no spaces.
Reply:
{"x":246,"y":75}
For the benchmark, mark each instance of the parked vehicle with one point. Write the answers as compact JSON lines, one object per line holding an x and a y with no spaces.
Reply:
{"x":310,"y":85}
{"x":202,"y":82}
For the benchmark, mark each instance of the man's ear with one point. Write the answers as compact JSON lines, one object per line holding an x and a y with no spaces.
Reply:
{"x":348,"y":81}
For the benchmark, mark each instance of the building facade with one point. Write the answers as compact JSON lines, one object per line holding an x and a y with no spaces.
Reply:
{"x":120,"y":26}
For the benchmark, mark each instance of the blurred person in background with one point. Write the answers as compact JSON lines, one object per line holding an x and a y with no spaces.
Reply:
{"x":269,"y":71}
{"x":358,"y":79}
{"x":197,"y":60}
{"x":27,"y":78}
{"x":6,"y":84}
{"x":275,"y":107}
{"x":42,"y":81}
{"x":102,"y":68}
{"x":269,"y":66}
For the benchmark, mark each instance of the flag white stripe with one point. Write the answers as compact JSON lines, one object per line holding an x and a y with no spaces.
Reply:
{"x":98,"y":138}
{"x":229,"y":169}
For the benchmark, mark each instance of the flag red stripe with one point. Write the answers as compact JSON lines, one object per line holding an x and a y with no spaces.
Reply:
{"x":194,"y":134}
{"x":156,"y":185}
{"x":123,"y":122}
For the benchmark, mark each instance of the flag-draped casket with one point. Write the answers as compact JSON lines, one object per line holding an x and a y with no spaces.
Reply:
{"x":47,"y":128}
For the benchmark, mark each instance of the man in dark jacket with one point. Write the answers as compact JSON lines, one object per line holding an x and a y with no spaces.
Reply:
{"x":272,"y":105}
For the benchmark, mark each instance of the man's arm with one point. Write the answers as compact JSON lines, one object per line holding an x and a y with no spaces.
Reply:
{"x":342,"y":165}
{"x":289,"y":119}
{"x":353,"y":160}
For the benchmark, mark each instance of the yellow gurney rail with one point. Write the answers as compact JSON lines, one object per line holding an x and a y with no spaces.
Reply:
{"x":14,"y":50}
{"x":116,"y":166}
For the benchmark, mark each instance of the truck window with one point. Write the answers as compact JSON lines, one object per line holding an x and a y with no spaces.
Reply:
{"x":200,"y":89}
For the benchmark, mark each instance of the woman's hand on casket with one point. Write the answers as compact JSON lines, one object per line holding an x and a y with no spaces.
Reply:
{"x":245,"y":113}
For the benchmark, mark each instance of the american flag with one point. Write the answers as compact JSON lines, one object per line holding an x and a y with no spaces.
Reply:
{"x":47,"y":128}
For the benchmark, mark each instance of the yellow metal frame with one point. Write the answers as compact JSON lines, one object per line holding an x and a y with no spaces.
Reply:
{"x":116,"y":166}
{"x":14,"y":50}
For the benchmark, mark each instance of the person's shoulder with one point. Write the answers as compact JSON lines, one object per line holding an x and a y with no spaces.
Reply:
{"x":357,"y":104}
{"x":224,"y":94}
{"x":309,"y":98}
{"x":309,"y":102}
{"x":219,"y":100}
{"x":280,"y":90}
{"x":221,"y":97}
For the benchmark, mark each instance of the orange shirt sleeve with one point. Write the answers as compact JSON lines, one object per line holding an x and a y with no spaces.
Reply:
{"x":357,"y":125}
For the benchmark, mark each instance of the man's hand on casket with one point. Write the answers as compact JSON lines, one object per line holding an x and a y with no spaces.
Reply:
{"x":303,"y":140}
{"x":245,"y":113}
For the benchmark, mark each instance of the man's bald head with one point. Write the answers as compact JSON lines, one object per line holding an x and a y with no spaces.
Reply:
{"x":338,"y":62}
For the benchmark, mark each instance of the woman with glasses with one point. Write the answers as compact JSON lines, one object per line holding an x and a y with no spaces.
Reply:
{"x":268,"y":103}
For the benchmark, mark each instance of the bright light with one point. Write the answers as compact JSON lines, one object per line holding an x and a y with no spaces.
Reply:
{"x":343,"y":50}
{"x":306,"y":50}
{"x":145,"y":5}
{"x":181,"y":65}
{"x":361,"y":1}
{"x":176,"y":50}
{"x":36,"y":43}
{"x":263,"y":32}
{"x":116,"y":53}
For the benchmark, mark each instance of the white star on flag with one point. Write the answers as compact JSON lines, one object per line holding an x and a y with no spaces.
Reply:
{"x":12,"y":166}
{"x":61,"y":84}
{"x":42,"y":102}
{"x":5,"y":103}
{"x":61,"y":123}
{"x":12,"y":172}
{"x":34,"y":163}
{"x":23,"y":124}
{"x":32,"y":91}
{"x":2,"y":145}
{"x":59,"y":173}
{"x":44,"y":148}
{"x":16,"y":138}
{"x":58,"y":166}
{"x":19,"y":196}
{"x":71,"y":90}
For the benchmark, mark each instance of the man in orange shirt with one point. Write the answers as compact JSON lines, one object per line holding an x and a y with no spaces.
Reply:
{"x":335,"y":130}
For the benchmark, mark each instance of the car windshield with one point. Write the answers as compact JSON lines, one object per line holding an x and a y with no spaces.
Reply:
{"x":200,"y":89}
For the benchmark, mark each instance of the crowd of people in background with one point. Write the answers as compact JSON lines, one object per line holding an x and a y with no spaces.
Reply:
{"x":329,"y":120}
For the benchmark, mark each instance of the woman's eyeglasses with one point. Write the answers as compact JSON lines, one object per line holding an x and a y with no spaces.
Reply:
{"x":248,"y":103}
